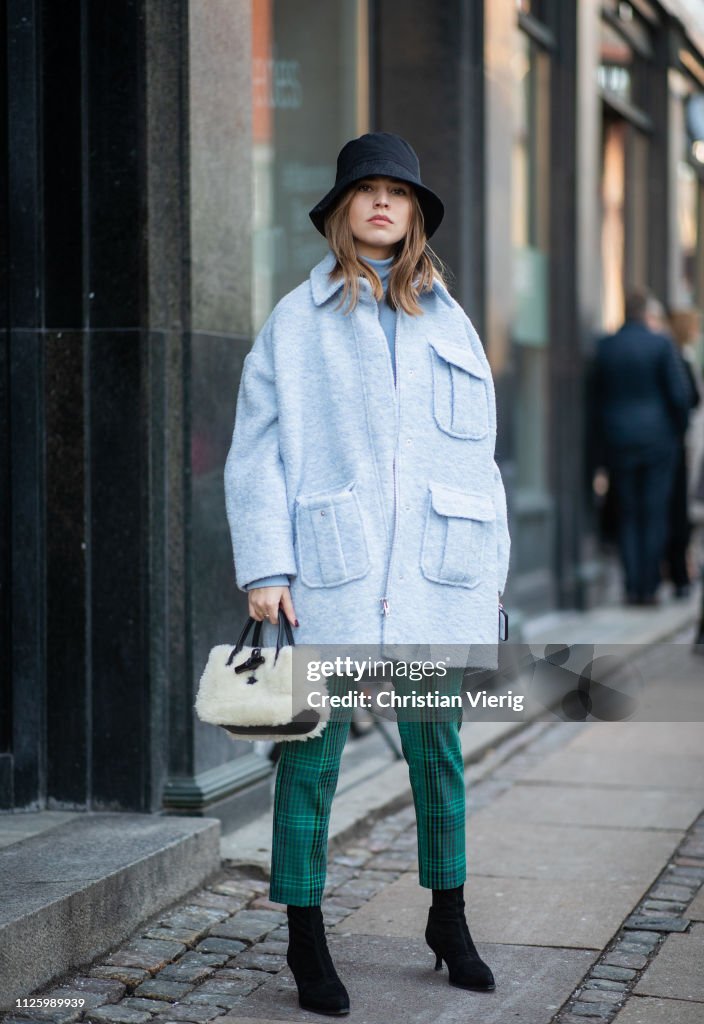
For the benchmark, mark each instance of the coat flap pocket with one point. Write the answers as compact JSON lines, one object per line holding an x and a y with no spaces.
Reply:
{"x":329,"y":535}
{"x":458,"y":355}
{"x":447,"y":502}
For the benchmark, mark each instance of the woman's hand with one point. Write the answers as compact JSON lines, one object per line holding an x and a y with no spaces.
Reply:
{"x":264,"y":604}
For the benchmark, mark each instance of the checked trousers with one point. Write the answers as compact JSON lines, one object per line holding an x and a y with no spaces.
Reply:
{"x":307,"y":778}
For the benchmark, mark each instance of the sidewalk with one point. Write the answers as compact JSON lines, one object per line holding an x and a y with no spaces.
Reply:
{"x":573,"y":847}
{"x":586,"y":861}
{"x":584,"y":890}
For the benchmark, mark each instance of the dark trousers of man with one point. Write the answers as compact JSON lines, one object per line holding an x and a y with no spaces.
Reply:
{"x":643,"y":488}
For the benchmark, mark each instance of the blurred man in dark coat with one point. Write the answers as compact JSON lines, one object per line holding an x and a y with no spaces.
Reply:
{"x":643,"y":405}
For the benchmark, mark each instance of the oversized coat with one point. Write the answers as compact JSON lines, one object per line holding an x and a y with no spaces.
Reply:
{"x":381,"y":501}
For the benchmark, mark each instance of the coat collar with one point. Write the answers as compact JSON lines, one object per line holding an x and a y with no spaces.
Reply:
{"x":323,"y":288}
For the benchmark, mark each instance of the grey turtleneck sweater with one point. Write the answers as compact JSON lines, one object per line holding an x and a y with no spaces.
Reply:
{"x":387,"y":315}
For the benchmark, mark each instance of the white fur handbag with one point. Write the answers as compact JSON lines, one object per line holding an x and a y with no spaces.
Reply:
{"x":250,"y":691}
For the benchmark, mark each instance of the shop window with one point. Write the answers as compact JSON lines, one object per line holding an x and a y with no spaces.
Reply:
{"x":687,"y":232}
{"x":687,"y":98}
{"x":625,"y":52}
{"x":624,"y":214}
{"x":637,"y":173}
{"x":615,"y":64}
{"x":624,"y":74}
{"x":530,"y":230}
{"x":613,"y":227}
{"x":309,"y":96}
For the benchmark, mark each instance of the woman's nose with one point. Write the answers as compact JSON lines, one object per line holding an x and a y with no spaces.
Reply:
{"x":381,"y":199}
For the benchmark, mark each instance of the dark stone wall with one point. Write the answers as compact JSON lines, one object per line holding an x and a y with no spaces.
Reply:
{"x":5,"y":513}
{"x":74,"y":453}
{"x":24,"y":647}
{"x":115,"y":414}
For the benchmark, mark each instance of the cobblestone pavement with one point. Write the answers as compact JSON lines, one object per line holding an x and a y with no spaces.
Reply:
{"x":661,"y":912}
{"x":212,"y":955}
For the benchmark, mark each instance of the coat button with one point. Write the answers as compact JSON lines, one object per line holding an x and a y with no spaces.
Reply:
{"x":322,"y":511}
{"x":408,"y":441}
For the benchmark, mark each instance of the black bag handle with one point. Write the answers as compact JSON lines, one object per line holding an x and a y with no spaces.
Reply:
{"x":256,"y":636}
{"x":284,"y":633}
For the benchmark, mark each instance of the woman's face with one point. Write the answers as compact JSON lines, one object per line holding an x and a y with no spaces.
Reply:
{"x":380,"y":214}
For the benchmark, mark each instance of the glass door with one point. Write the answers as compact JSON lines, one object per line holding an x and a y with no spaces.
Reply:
{"x":530,"y":329}
{"x":310,"y":95}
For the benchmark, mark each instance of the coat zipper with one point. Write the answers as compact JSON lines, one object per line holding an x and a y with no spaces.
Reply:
{"x":384,"y":601}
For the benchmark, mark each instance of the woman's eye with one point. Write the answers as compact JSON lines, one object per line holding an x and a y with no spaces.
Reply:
{"x":364,"y":188}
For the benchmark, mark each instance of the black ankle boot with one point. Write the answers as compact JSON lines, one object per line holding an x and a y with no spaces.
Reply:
{"x":319,"y":988}
{"x":448,"y":936}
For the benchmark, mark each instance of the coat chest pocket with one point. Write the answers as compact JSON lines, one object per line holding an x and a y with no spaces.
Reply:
{"x":457,"y":529}
{"x":460,"y":402}
{"x":332,"y":546}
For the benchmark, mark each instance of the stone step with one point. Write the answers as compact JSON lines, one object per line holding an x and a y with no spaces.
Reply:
{"x":75,"y":891}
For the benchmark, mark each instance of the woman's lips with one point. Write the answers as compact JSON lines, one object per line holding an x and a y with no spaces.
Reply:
{"x":379,"y":220}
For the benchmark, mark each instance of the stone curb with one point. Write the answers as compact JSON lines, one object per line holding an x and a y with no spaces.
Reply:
{"x":607,"y":986}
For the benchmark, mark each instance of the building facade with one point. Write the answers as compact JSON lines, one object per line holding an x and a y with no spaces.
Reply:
{"x":159,"y":159}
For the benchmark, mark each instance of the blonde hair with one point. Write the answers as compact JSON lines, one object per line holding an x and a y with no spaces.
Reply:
{"x":414,"y":268}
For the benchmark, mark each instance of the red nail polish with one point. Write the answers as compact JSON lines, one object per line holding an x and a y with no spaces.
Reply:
{"x":296,"y":622}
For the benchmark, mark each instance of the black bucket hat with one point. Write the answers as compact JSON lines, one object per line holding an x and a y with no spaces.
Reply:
{"x":385,"y":154}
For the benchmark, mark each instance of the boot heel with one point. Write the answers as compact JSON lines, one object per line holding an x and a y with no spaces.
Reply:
{"x":438,"y":961}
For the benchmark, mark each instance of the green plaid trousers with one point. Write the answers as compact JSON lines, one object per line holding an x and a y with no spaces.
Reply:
{"x":307,"y":778}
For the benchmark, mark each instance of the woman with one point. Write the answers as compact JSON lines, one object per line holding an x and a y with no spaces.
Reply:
{"x":364,"y":500}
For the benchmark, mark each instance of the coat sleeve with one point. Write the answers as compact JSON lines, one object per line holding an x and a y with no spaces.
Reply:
{"x":255,"y":486}
{"x":268,"y":581}
{"x":503,"y":537}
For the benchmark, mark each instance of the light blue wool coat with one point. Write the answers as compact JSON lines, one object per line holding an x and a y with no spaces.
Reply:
{"x":382,"y":503}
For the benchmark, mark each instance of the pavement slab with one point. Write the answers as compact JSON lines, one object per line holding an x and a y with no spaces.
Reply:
{"x":617,"y":767}
{"x":685,"y":739}
{"x":676,"y":972}
{"x":643,"y":1010}
{"x":391,"y":980}
{"x":565,"y":852}
{"x":539,"y":803}
{"x":516,"y":911}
